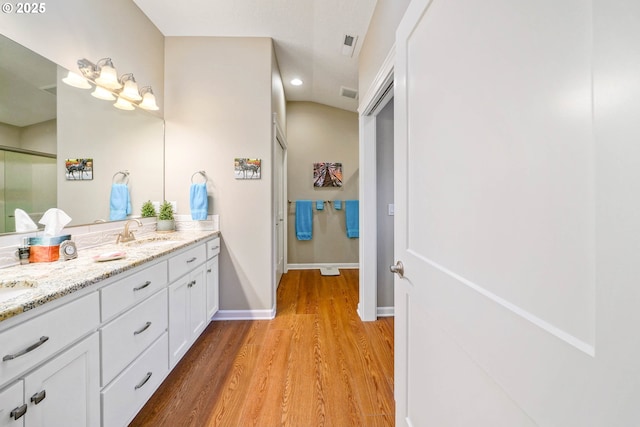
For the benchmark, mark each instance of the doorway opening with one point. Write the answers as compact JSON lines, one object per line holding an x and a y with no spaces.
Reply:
{"x":376,"y":121}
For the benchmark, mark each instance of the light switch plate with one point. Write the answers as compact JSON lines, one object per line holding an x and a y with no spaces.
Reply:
{"x":392,"y":209}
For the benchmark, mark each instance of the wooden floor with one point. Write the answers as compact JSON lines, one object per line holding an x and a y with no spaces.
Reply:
{"x":315,"y":364}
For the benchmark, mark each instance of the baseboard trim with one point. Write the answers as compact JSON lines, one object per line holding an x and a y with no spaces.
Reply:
{"x":385,"y":311}
{"x":312,"y":266}
{"x":244,"y":315}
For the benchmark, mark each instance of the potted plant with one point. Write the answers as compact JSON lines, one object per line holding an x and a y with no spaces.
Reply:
{"x":166,"y":222}
{"x":148,"y":210}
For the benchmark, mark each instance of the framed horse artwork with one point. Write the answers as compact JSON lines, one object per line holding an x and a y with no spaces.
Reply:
{"x":78,"y":169}
{"x":247,"y":168}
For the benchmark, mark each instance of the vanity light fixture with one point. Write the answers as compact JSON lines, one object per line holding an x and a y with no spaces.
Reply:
{"x":102,"y":93}
{"x":108,"y":77}
{"x":123,"y":104}
{"x":130,"y":90}
{"x":75,"y":80}
{"x":108,"y":87}
{"x":148,"y":99}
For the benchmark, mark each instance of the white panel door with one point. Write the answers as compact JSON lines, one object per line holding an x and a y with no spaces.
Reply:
{"x":516,"y":186}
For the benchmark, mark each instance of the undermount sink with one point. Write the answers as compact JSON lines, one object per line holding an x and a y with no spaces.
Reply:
{"x":154,"y":240}
{"x":13,"y":288}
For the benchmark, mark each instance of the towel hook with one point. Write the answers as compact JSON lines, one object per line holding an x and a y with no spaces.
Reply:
{"x":203,"y":173}
{"x":125,"y":179}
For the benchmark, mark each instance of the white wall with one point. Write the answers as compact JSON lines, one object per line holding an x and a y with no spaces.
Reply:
{"x":379,"y":40}
{"x":39,"y":137}
{"x":318,"y":133}
{"x":219,"y":103}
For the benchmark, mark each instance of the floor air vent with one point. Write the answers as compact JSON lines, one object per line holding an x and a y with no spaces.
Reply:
{"x":329,"y":271}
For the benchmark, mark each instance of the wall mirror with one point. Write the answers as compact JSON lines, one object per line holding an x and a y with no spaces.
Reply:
{"x":44,"y":122}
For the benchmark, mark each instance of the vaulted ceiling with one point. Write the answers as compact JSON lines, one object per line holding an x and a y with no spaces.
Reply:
{"x":309,"y":37}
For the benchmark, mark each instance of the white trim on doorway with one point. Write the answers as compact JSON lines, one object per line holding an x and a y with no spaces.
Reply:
{"x":376,"y":97}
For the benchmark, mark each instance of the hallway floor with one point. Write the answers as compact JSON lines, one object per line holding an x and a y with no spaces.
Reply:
{"x":315,"y":364}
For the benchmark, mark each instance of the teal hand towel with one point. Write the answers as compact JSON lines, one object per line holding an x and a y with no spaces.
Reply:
{"x":337,"y":204}
{"x":304,"y":220}
{"x":319,"y":205}
{"x":198,"y":201}
{"x":119,"y":202}
{"x":352,"y":213}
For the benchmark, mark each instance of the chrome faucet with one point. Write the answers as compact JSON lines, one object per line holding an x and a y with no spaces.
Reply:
{"x":126,"y":235}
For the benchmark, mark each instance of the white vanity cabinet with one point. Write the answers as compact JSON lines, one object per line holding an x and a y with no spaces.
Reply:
{"x":187,"y":312}
{"x":95,"y":360}
{"x":44,"y":382}
{"x":12,"y":406}
{"x":65,"y":391}
{"x":134,"y":346}
{"x":187,"y":301}
{"x":213,"y":277}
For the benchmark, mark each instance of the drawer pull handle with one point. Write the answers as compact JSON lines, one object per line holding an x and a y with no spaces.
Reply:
{"x":215,"y":247}
{"x":32,"y":347}
{"x":18,"y":412}
{"x":141,"y":287}
{"x":190,"y":260}
{"x":144,"y":380}
{"x":39,"y":397}
{"x":209,"y":271}
{"x":191,"y":283}
{"x":144,"y":328}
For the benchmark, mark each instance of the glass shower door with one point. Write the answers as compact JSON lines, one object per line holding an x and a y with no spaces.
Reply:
{"x":29,"y":184}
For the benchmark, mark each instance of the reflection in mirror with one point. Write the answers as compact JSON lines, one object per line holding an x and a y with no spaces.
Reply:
{"x":43,"y":122}
{"x":27,"y":133}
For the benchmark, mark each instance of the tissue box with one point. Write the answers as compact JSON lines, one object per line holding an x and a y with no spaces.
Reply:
{"x":45,"y":249}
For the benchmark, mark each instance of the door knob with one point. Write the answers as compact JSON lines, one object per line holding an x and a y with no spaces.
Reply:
{"x":398,"y":269}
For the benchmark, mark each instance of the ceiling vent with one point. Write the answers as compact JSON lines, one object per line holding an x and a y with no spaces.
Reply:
{"x":349,"y":45}
{"x":348,"y":93}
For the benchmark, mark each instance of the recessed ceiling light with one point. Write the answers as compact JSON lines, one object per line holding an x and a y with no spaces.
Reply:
{"x":296,"y":82}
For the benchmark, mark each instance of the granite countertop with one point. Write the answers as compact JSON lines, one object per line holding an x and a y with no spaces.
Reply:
{"x":39,"y":283}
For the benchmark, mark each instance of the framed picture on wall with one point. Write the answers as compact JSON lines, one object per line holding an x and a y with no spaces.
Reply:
{"x":247,"y":168}
{"x":78,"y":169}
{"x":327,"y":174}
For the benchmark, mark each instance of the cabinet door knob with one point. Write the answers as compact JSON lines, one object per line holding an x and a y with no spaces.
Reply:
{"x":18,"y":412}
{"x":39,"y":397}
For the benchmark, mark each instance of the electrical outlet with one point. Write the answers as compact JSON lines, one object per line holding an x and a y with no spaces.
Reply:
{"x":156,"y":205}
{"x":175,"y":205}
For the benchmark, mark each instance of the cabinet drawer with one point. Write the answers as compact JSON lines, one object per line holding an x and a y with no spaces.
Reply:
{"x":213,"y":247}
{"x":124,"y":397}
{"x":127,"y":292}
{"x":129,"y":334}
{"x":33,"y":341}
{"x":182,"y":263}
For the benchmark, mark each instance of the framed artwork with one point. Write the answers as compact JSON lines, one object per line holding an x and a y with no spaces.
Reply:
{"x":245,"y":168}
{"x":327,"y":174}
{"x":78,"y":169}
